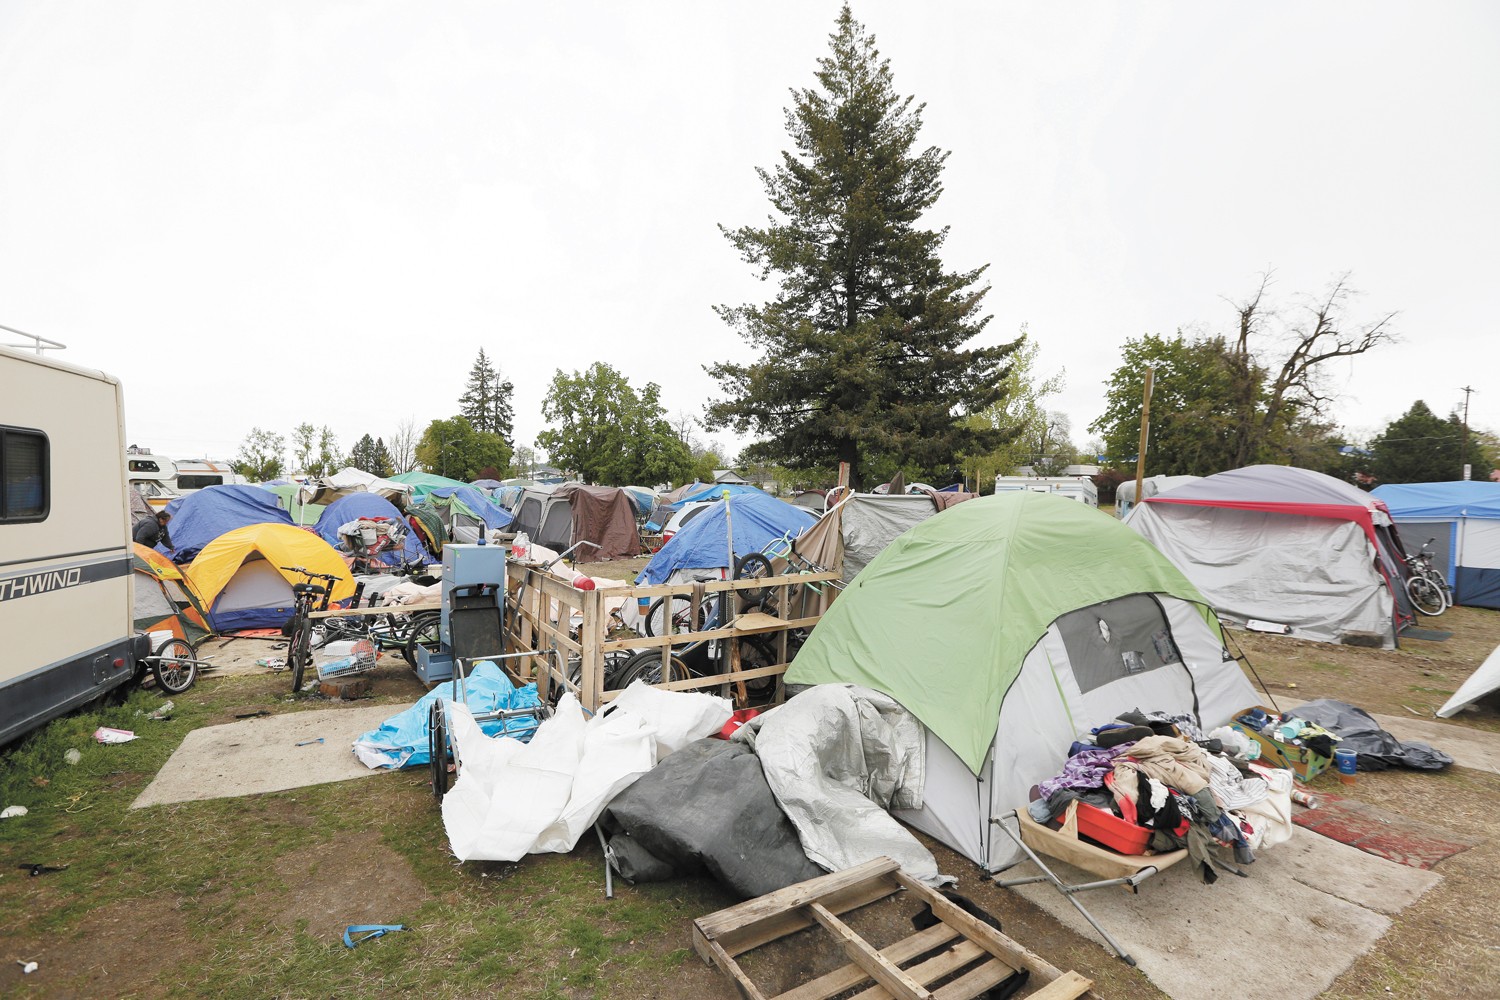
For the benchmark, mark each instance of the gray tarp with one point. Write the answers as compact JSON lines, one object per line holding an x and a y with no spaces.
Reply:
{"x":837,"y":757}
{"x":1357,"y":730}
{"x":706,"y":807}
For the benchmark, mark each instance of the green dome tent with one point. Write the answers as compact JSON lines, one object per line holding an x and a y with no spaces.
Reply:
{"x":1009,"y":626}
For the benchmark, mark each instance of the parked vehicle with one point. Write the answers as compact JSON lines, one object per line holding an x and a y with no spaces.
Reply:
{"x":65,"y":547}
{"x":1080,"y":488}
{"x":685,"y":513}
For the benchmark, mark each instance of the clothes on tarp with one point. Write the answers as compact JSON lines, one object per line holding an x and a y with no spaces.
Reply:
{"x":706,"y":808}
{"x":401,"y":741}
{"x":1357,"y":730}
{"x":837,"y":757}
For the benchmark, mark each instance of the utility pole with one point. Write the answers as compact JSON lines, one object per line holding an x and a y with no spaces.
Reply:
{"x":1140,"y":456}
{"x":1463,"y":452}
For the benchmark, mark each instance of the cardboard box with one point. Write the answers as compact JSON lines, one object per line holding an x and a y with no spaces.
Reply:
{"x":1301,"y":761}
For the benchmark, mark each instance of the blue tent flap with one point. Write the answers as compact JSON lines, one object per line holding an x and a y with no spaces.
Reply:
{"x":200,"y":517}
{"x":372,"y":505}
{"x":401,"y":741}
{"x":756,"y":520}
{"x":1465,"y":498}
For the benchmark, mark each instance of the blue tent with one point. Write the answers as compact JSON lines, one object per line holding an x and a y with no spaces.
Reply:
{"x":358,"y":505}
{"x":486,"y":484}
{"x":200,"y":517}
{"x":495,"y":517}
{"x":756,"y":519}
{"x":712,"y":491}
{"x":1463,"y":520}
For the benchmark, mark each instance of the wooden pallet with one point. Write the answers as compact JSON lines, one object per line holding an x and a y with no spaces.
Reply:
{"x":970,"y":954}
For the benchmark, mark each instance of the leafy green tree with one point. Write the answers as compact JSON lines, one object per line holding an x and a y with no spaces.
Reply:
{"x":453,"y":448}
{"x":381,"y":459}
{"x":327,"y":460}
{"x":486,"y":402}
{"x":1421,"y":447}
{"x":605,"y":432}
{"x":1020,"y":415}
{"x":304,"y":447}
{"x":260,"y":456}
{"x":861,"y":352}
{"x":1193,"y":419}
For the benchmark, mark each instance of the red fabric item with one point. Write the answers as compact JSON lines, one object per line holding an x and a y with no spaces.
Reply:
{"x":737,"y":720}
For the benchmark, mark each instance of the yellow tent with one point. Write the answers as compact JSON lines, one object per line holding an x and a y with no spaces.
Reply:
{"x":243,"y":577}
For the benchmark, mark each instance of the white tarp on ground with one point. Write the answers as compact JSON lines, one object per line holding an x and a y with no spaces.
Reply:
{"x":837,"y":757}
{"x":1481,"y":682}
{"x":513,"y":799}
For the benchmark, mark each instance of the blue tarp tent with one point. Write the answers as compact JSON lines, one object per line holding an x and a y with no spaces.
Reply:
{"x":200,"y":517}
{"x":495,"y":517}
{"x":756,"y":519}
{"x":401,"y":741}
{"x":358,"y":505}
{"x":1463,"y":519}
{"x":712,"y":491}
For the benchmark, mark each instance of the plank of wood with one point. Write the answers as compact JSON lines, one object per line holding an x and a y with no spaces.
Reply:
{"x":754,"y":922}
{"x":973,"y":983}
{"x":1003,"y":947}
{"x":1067,"y":986}
{"x":881,"y":969}
{"x":851,"y":975}
{"x":715,"y":955}
{"x":935,"y":968}
{"x":394,"y":609}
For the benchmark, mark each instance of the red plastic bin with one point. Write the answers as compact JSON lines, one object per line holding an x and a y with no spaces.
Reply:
{"x":1112,"y":831}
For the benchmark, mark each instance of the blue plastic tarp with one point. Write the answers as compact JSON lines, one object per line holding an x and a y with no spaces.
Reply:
{"x":371,"y":505}
{"x":495,"y":517}
{"x":401,"y":741}
{"x":756,"y":519}
{"x":712,"y":491}
{"x":200,"y":517}
{"x":1415,"y":501}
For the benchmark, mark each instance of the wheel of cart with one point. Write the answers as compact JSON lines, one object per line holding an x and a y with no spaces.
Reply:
{"x":175,"y":665}
{"x":440,"y":745}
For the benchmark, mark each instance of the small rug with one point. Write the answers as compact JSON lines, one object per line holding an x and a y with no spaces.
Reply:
{"x":1430,"y":634}
{"x":1381,"y":833}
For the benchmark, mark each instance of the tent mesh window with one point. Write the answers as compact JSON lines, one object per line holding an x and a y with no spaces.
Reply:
{"x":557,"y":527}
{"x":528,"y":516}
{"x":1116,"y":639}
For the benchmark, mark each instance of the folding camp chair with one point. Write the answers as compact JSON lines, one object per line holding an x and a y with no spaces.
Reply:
{"x":1126,"y":870}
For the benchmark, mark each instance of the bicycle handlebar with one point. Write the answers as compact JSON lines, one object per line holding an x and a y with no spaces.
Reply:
{"x":330,"y":577}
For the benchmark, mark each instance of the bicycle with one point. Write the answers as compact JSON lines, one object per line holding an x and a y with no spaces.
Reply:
{"x":1427,"y":588}
{"x":310,"y":597}
{"x":703,"y":657}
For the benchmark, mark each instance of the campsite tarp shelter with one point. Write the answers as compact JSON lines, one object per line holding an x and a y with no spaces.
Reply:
{"x":603,"y":515}
{"x":165,"y":599}
{"x":287,"y":495}
{"x":240,"y":579}
{"x":860,"y":527}
{"x":471,"y":503}
{"x":200,"y":517}
{"x":455,"y":513}
{"x":703,"y":544}
{"x":348,"y":481}
{"x":1150,"y":486}
{"x":422,"y":483}
{"x":1286,"y":546}
{"x":713,"y":491}
{"x":358,"y":505}
{"x":1010,"y":626}
{"x":1463,"y":519}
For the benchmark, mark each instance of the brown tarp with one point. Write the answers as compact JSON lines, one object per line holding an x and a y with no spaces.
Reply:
{"x":605,"y":516}
{"x":675,"y":496}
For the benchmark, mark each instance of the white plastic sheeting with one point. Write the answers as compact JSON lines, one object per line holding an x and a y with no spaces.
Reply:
{"x":838,"y":756}
{"x":513,"y":799}
{"x":1481,"y":682}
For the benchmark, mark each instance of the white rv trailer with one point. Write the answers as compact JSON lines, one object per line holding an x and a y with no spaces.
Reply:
{"x":1080,"y":488}
{"x":153,"y":476}
{"x":200,"y":473}
{"x":65,"y":577}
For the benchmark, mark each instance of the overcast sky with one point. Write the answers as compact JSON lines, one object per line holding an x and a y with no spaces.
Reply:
{"x":273,"y":212}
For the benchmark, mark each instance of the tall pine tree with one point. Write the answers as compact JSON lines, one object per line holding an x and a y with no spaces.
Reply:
{"x":486,"y":399}
{"x":862,"y":356}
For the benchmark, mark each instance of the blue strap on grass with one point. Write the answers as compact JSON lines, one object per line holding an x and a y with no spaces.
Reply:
{"x":368,"y":931}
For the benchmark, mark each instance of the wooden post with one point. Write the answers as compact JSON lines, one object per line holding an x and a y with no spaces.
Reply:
{"x":1140,"y":458}
{"x":591,"y":636}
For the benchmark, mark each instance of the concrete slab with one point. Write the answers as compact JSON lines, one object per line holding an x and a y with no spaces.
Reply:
{"x":261,"y":755}
{"x":1308,"y":909}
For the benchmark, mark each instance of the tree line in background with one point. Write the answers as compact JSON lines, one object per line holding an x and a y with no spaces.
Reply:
{"x":865,"y":355}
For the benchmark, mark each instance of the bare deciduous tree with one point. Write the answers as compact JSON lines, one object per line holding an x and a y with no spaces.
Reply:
{"x":403,"y":447}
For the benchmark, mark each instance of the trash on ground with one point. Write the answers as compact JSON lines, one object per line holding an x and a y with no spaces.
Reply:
{"x":104,"y":734}
{"x":72,"y":756}
{"x":367,"y":931}
{"x":11,"y":812}
{"x":34,"y":869}
{"x":162,"y":713}
{"x":27,"y":968}
{"x":308,"y":743}
{"x":273,"y":662}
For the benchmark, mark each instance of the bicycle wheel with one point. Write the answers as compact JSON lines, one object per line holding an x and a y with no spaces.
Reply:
{"x":1425,"y":596}
{"x":646,"y":666}
{"x":175,"y":667}
{"x":437,"y":750}
{"x":675,"y":621}
{"x":426,"y":632}
{"x":752,"y":566}
{"x":299,"y":653}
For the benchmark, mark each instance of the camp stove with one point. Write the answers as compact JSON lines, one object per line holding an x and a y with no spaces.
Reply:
{"x":471,"y":624}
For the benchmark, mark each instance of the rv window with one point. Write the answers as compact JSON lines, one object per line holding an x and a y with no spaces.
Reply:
{"x":199,"y":482}
{"x":141,"y":465}
{"x":25,"y":482}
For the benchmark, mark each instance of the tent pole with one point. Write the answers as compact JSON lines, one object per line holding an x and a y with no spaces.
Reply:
{"x":1140,"y":455}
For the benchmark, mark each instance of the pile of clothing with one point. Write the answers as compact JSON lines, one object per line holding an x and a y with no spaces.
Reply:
{"x":1160,"y":773}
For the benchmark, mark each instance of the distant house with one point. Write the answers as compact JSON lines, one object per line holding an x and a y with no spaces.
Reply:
{"x":730,"y":476}
{"x":548,"y":474}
